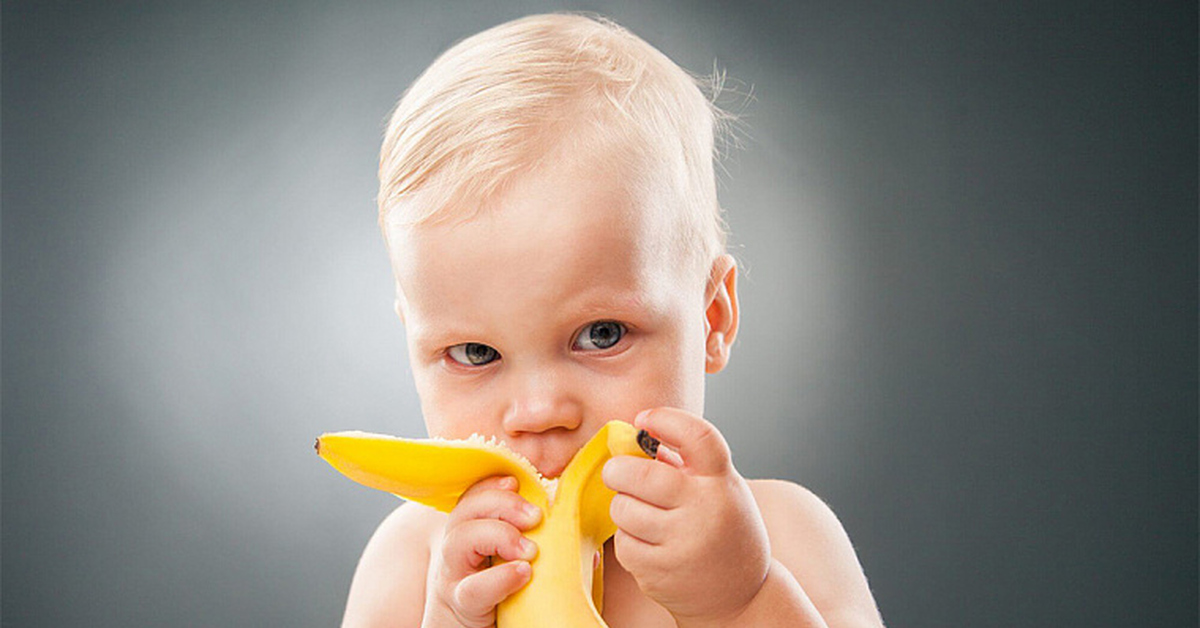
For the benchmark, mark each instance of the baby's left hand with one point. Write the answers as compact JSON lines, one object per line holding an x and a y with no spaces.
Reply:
{"x":689,"y":530}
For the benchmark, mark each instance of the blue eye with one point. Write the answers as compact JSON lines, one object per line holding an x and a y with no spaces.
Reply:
{"x":473,"y":354}
{"x":598,"y":336}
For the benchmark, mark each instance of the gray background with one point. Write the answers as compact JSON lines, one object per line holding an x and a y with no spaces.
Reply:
{"x":970,"y":299}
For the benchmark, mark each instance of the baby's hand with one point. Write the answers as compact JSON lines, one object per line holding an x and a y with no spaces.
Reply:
{"x":463,"y":587}
{"x":689,"y":530}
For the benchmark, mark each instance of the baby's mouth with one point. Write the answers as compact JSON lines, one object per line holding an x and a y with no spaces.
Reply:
{"x":547,"y":460}
{"x":550,"y":471}
{"x":548,"y":468}
{"x":550,"y":474}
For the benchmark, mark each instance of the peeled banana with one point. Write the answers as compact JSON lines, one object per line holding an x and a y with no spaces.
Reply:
{"x":565,"y":590}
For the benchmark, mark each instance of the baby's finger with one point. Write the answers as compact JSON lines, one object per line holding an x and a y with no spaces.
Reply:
{"x":496,"y":482}
{"x":698,"y":442}
{"x":648,"y":480}
{"x":639,"y":519}
{"x":632,"y":551}
{"x":476,"y":596}
{"x":469,"y":545}
{"x":495,"y":501}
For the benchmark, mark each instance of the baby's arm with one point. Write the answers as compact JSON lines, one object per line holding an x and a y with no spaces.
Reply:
{"x":715,"y":552}
{"x":426,"y":569}
{"x":388,"y":588}
{"x":809,"y":541}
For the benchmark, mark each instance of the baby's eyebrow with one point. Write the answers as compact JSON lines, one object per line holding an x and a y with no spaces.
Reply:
{"x":428,"y":339}
{"x":633,"y":305}
{"x":609,"y":301}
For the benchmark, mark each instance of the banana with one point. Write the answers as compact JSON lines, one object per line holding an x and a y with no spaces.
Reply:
{"x":564,"y":591}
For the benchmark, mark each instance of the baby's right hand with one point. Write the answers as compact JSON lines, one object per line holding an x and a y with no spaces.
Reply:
{"x":464,"y":587}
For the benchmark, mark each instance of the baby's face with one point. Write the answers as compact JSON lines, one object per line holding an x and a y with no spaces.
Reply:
{"x":547,"y":315}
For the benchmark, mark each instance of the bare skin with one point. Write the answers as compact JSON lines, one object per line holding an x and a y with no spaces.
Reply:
{"x":389,"y":587}
{"x":538,"y":320}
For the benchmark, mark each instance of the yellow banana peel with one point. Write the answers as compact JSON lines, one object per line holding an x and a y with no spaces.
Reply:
{"x":565,"y":590}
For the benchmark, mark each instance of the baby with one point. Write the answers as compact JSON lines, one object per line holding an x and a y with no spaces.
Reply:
{"x":548,"y":200}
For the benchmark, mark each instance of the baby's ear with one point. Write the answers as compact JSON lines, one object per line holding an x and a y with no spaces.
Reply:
{"x":720,"y":313}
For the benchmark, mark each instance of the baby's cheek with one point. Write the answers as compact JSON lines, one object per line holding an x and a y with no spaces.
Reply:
{"x":451,"y":415}
{"x":666,"y":384}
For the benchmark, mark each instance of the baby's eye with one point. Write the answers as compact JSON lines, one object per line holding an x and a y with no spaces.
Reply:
{"x":601,"y":335}
{"x":472,"y":354}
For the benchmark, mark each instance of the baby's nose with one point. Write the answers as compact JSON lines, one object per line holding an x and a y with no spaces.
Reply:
{"x":541,"y":402}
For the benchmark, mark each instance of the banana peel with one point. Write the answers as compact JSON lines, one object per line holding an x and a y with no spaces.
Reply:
{"x":565,"y":590}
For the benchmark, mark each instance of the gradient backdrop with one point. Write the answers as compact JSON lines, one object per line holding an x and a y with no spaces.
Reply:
{"x":969,"y":236}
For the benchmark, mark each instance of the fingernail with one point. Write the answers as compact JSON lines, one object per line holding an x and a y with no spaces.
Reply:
{"x":533,"y":513}
{"x":528,"y":548}
{"x":508,"y":483}
{"x":641,"y":417}
{"x":522,"y":568}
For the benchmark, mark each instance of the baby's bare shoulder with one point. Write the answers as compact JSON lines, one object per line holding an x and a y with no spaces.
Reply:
{"x":807,"y":538}
{"x":389,"y":584}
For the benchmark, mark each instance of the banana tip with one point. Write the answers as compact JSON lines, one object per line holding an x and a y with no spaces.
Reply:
{"x":648,"y":443}
{"x":317,"y":445}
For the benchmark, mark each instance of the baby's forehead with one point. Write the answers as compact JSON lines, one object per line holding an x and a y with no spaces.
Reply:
{"x":628,"y":184}
{"x":561,"y":155}
{"x":435,"y":286}
{"x":586,"y":250}
{"x":566,"y":201}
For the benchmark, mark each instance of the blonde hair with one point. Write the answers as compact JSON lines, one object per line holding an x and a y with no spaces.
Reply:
{"x":495,"y":104}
